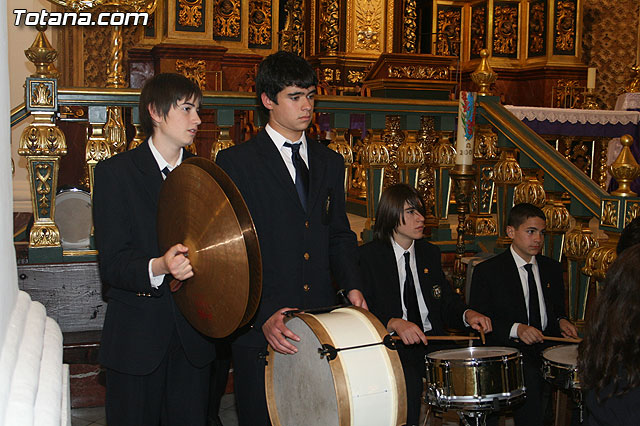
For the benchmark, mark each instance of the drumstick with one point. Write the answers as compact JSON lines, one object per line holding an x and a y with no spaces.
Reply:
{"x":442,"y":338}
{"x":562,"y":339}
{"x":482,"y":337}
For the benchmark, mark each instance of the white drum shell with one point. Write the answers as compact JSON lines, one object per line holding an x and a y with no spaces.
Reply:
{"x":73,"y":218}
{"x":360,"y":387}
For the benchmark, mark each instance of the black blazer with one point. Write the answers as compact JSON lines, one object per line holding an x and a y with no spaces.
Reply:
{"x":496,"y":291}
{"x":302,"y":252}
{"x":139,"y":319}
{"x":382,"y":286}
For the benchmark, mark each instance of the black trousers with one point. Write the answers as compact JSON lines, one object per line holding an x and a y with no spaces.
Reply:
{"x":174,"y":394}
{"x":248,"y":380}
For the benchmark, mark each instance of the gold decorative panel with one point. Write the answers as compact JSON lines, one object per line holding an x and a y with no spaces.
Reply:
{"x":449,"y":29}
{"x":410,"y":26}
{"x":292,"y":38}
{"x":633,"y":211}
{"x":564,"y":42}
{"x":260,"y":24}
{"x":505,"y":30}
{"x":537,"y":28}
{"x":609,"y":213}
{"x":419,"y":72}
{"x":189,"y":15}
{"x":226,"y":20}
{"x":194,"y":70}
{"x":478,"y":29}
{"x":369,"y":24}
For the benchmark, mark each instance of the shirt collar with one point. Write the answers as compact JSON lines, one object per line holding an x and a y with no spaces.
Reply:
{"x":520,"y":262}
{"x":279,"y":140}
{"x":399,"y":251}
{"x":162,"y":163}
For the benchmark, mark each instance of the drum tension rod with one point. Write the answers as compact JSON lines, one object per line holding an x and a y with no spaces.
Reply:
{"x":314,"y":310}
{"x":331,"y":353}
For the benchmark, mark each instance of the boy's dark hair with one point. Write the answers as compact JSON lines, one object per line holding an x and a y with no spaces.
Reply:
{"x":163,"y":91}
{"x":523,"y":211}
{"x":283,"y":69}
{"x":391,"y":209}
{"x":630,"y":236}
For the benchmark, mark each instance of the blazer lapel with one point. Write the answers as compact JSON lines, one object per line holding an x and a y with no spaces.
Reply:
{"x":272,"y":160}
{"x":545,"y":283}
{"x":151,"y":175}
{"x":425,"y":282}
{"x":390,"y":266}
{"x":317,"y":169}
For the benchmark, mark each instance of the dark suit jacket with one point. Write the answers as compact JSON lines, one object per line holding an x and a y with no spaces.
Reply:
{"x":382,"y":286}
{"x":496,"y":291}
{"x":140,"y":320}
{"x":302,"y":252}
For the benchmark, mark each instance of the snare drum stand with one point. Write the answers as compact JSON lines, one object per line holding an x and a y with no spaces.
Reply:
{"x":480,"y":417}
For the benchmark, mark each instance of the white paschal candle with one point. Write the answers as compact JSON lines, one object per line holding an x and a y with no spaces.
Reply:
{"x":466,"y":128}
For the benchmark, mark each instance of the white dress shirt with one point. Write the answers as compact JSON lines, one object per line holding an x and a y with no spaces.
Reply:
{"x":156,"y":280}
{"x":402,"y":274}
{"x":285,"y":152}
{"x":524,"y":281}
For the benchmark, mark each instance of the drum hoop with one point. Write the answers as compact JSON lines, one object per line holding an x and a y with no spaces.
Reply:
{"x":514,"y":354}
{"x":573,"y":367}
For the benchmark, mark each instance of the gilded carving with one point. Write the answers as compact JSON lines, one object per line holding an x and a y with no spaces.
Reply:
{"x":292,"y":38}
{"x":194,"y":70}
{"x":486,"y":189}
{"x":393,"y":136}
{"x":375,"y":153}
{"x":226,"y":21}
{"x":565,"y":26}
{"x":444,"y":153}
{"x":566,"y":93}
{"x":426,"y":139}
{"x":43,"y":175}
{"x":609,"y":214}
{"x":599,"y":261}
{"x":355,"y":76}
{"x":505,"y":29}
{"x":530,"y":191}
{"x":418,"y":72}
{"x":478,"y":29}
{"x":190,"y":13}
{"x":330,"y":75}
{"x":114,"y":130}
{"x":410,"y":154}
{"x":42,"y":140}
{"x":368,"y":24}
{"x":507,"y":171}
{"x":449,"y":27}
{"x":481,"y":226}
{"x":536,"y":28}
{"x":633,"y":211}
{"x":486,"y":146}
{"x":41,"y":94}
{"x":558,"y":218}
{"x":410,"y":18}
{"x":329,"y":26}
{"x":44,"y":236}
{"x":260,"y":23}
{"x":579,"y":241}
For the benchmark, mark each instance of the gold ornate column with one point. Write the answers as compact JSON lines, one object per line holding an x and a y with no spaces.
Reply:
{"x":443,"y":158}
{"x":484,"y":76}
{"x":393,"y":137}
{"x":340,"y":145}
{"x":480,"y":222}
{"x":410,"y":159}
{"x":409,"y":24}
{"x":223,"y":141}
{"x":292,"y":36}
{"x":375,"y":159}
{"x":463,"y":177}
{"x":97,"y":147}
{"x":43,"y":144}
{"x":578,"y":242}
{"x":426,"y":139}
{"x":558,"y":223}
{"x":625,"y":169}
{"x":506,"y":175}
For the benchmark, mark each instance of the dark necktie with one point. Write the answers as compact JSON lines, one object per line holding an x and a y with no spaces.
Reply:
{"x":410,"y":296}
{"x":166,"y":171}
{"x":302,"y":173}
{"x":534,"y":300}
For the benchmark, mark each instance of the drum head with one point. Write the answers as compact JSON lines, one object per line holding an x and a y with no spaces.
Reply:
{"x":73,"y":218}
{"x":471,"y":353}
{"x":562,"y":354}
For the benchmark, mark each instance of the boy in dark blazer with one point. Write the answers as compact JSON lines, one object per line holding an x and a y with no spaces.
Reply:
{"x":502,"y":285}
{"x":293,"y":187}
{"x":406,"y":289}
{"x":157,"y":364}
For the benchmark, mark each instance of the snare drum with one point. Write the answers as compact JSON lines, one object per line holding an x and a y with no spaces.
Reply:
{"x":475,"y":379}
{"x":360,"y":386}
{"x":559,"y":366}
{"x":73,"y":218}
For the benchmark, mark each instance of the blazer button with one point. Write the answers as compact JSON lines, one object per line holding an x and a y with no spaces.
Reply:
{"x":306,"y":287}
{"x":306,"y":224}
{"x":306,"y":256}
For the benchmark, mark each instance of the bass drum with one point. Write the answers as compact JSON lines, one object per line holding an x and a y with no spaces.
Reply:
{"x":73,"y":218}
{"x":359,"y":387}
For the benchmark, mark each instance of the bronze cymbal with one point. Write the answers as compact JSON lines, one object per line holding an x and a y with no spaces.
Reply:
{"x":195,"y":211}
{"x":248,"y":231}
